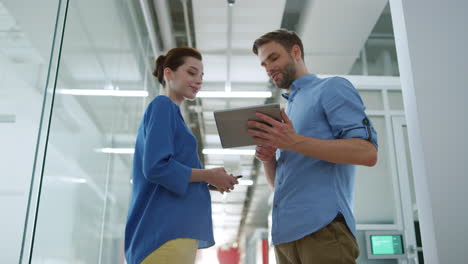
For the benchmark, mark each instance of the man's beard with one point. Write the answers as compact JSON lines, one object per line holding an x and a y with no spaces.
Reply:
{"x":289,"y":73}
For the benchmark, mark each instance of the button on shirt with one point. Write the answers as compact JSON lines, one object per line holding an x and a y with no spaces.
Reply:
{"x":310,"y":193}
{"x":164,"y":204}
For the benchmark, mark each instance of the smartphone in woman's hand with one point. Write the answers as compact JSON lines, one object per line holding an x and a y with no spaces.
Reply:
{"x":213,"y":188}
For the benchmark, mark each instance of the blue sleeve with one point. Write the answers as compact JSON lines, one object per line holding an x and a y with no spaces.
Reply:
{"x":159,"y":165}
{"x":344,"y":110}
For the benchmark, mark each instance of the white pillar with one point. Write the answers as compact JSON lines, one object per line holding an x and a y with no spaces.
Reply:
{"x":432,"y":48}
{"x":385,"y":61}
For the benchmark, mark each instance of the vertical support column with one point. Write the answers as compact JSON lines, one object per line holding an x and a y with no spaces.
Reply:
{"x":431,"y":43}
{"x":385,"y":59}
{"x":365,"y":67}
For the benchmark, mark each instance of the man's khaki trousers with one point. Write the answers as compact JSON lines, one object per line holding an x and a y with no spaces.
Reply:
{"x":333,"y":244}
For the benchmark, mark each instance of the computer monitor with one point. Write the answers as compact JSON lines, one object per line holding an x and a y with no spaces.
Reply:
{"x":385,"y":245}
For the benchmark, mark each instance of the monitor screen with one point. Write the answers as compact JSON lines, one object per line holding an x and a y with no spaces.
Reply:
{"x":386,"y":244}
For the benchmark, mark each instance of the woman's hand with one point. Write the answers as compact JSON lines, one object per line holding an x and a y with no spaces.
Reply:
{"x":222,"y":181}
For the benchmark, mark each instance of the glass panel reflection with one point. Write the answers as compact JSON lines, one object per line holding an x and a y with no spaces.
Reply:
{"x":86,"y":191}
{"x":372,"y":99}
{"x":26,"y":35}
{"x":395,"y":99}
{"x":375,"y":184}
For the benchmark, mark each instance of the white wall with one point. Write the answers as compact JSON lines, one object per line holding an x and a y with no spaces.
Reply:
{"x":432,"y":41}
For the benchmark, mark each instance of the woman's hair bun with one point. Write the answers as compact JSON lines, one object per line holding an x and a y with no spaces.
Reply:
{"x":159,"y":71}
{"x":173,"y":59}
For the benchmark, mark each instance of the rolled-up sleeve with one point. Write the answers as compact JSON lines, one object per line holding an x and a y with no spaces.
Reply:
{"x":344,"y":110}
{"x":159,"y":165}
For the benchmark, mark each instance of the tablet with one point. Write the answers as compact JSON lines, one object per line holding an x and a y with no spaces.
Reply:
{"x":232,"y":123}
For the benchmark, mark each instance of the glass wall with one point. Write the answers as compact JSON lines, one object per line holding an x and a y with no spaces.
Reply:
{"x":377,"y":189}
{"x":76,"y":51}
{"x":85,"y":191}
{"x":26,"y":54}
{"x":378,"y":183}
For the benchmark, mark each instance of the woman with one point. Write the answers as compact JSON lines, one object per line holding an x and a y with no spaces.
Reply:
{"x":170,"y":212}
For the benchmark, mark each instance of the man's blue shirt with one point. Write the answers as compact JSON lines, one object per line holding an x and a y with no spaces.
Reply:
{"x":164,"y":204}
{"x":310,"y":193}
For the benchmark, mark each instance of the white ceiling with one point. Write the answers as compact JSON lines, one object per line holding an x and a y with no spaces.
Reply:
{"x":250,"y":19}
{"x":334,"y":32}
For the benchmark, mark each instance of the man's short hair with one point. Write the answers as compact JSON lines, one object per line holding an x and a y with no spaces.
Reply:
{"x":284,"y":37}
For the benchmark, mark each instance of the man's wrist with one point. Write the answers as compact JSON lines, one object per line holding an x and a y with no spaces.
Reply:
{"x":297,"y":141}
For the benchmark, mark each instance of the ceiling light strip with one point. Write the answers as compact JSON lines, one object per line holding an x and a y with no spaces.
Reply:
{"x":246,"y":182}
{"x":207,"y":151}
{"x":248,"y":152}
{"x":116,"y":150}
{"x":229,"y":49}
{"x":234,"y":94}
{"x":93,"y":92}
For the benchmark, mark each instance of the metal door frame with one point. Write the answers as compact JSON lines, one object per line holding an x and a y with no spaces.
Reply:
{"x":406,"y":205}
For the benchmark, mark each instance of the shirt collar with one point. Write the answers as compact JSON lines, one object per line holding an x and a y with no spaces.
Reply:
{"x":299,"y":83}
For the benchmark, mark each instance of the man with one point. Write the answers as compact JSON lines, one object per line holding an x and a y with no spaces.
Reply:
{"x":324,"y":134}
